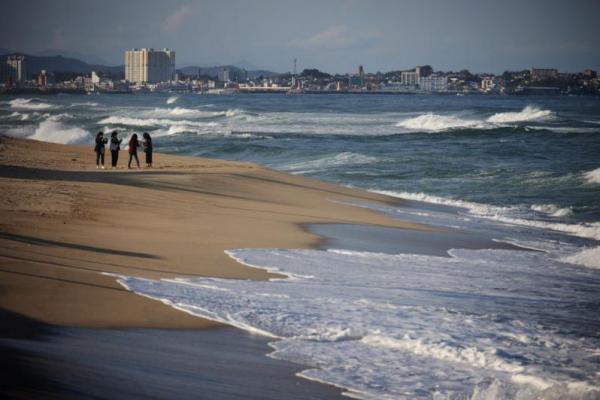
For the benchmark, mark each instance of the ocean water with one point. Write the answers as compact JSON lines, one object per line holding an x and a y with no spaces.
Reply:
{"x":377,"y":319}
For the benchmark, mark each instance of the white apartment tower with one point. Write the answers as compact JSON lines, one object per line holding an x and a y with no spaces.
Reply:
{"x":149,"y":65}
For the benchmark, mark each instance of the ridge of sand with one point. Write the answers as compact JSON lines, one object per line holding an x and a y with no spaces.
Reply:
{"x":63,"y":223}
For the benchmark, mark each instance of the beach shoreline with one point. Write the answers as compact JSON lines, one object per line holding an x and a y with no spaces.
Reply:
{"x":69,"y":231}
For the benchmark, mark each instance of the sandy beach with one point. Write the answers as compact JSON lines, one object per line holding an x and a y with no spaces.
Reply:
{"x":66,"y":227}
{"x":65,"y":224}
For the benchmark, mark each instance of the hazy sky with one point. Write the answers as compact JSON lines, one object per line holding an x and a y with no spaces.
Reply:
{"x":332,"y":35}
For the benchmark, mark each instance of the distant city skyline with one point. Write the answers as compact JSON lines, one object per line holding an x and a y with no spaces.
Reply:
{"x":335,"y":36}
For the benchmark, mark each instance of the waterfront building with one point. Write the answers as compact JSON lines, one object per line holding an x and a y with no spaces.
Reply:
{"x":487,"y":84}
{"x":433,"y":83}
{"x":149,"y":65}
{"x":14,"y":69}
{"x":410,"y":78}
{"x":538,"y":74}
{"x":45,"y":78}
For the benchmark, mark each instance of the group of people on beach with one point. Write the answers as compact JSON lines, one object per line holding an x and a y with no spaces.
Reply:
{"x":115,"y":147}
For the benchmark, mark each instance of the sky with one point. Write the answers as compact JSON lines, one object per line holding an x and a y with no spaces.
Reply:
{"x":332,"y":35}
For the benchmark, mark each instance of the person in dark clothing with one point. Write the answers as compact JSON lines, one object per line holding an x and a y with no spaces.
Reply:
{"x":99,"y":149}
{"x":115,"y":146}
{"x":133,"y":147}
{"x":148,"y":149}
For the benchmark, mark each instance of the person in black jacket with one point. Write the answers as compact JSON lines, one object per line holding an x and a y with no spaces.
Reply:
{"x":99,"y":149}
{"x":133,"y":146}
{"x":148,"y":149}
{"x":115,"y":146}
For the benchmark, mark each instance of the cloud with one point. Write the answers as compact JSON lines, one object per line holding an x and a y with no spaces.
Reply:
{"x":335,"y":37}
{"x":179,"y":17}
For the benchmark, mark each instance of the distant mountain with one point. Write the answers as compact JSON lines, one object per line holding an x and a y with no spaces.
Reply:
{"x":58,"y":63}
{"x":87,"y":58}
{"x":233,"y":70}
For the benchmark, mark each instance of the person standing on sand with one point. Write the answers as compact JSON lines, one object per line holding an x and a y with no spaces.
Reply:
{"x":133,"y":147}
{"x":115,"y":146}
{"x":99,"y":149}
{"x":148,"y":149}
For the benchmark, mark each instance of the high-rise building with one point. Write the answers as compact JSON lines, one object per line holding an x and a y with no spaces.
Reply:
{"x":14,"y":69}
{"x":223,"y":75}
{"x":149,"y":65}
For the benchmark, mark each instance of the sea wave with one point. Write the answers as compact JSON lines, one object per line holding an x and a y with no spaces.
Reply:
{"x":553,"y":210}
{"x":437,"y":123}
{"x":172,"y":99}
{"x":29,"y":104}
{"x":85,"y":104}
{"x":54,"y":130}
{"x":529,"y":113}
{"x":406,"y":326}
{"x":507,"y":215}
{"x":144,"y":122}
{"x":590,"y":257}
{"x":337,"y":160}
{"x":431,"y":122}
{"x":592,"y":177}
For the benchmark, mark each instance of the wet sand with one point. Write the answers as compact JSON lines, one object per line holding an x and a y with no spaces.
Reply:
{"x":41,"y":361}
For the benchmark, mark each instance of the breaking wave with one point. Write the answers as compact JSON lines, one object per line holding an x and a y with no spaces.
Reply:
{"x":172,"y":99}
{"x":431,"y":122}
{"x":53,"y":130}
{"x":408,"y":326}
{"x":553,"y":210}
{"x":29,"y":104}
{"x":592,"y":177}
{"x":507,"y":215}
{"x":529,"y":113}
{"x":438,"y":123}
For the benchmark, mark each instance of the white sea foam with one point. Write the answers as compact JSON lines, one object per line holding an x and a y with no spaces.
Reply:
{"x":438,"y":123}
{"x":529,"y":113}
{"x":592,"y":177}
{"x":29,"y":104}
{"x":181,"y":112}
{"x":85,"y":104}
{"x":407,"y":326}
{"x":589,"y":257}
{"x":131,"y":121}
{"x":503,"y":214}
{"x":553,"y":210}
{"x":53,"y":130}
{"x":431,"y":122}
{"x":172,"y":99}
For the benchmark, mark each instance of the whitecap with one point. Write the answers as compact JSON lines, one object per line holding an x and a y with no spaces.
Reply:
{"x":53,"y":130}
{"x":507,"y":215}
{"x":529,"y":113}
{"x":590,"y":257}
{"x":172,"y":99}
{"x":592,"y":177}
{"x":553,"y":210}
{"x":29,"y":104}
{"x":437,"y":123}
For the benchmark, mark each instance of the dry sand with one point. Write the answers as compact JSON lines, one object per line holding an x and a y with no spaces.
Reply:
{"x":63,"y":223}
